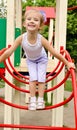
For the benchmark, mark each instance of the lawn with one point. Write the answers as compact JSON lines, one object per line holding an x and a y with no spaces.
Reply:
{"x":68,"y":86}
{"x":2,"y":84}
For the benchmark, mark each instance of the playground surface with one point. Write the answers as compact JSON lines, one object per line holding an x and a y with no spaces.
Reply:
{"x":41,"y":118}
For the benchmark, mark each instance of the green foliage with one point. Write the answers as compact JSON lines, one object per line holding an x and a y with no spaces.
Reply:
{"x":45,"y":3}
{"x":44,"y":31}
{"x":3,"y":10}
{"x":72,"y":3}
{"x":71,"y":45}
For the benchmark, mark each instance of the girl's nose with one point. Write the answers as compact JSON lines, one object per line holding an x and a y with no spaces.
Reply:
{"x":32,"y":20}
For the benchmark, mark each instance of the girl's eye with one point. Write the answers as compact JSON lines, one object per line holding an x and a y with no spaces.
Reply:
{"x":36,"y":19}
{"x":28,"y":18}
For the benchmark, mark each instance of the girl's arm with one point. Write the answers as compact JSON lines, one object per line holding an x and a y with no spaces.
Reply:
{"x":10,"y":50}
{"x":45,"y":43}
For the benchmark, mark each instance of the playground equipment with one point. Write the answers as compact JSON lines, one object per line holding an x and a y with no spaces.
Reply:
{"x":17,"y":54}
{"x":58,"y":70}
{"x":60,"y":40}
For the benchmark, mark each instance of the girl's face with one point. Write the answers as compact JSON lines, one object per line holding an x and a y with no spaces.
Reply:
{"x":32,"y":21}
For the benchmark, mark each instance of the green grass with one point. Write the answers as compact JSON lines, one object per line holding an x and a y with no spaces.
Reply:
{"x":2,"y":84}
{"x":68,"y":86}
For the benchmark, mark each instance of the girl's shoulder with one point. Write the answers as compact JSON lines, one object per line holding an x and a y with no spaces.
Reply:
{"x":39,"y":35}
{"x":24,"y":34}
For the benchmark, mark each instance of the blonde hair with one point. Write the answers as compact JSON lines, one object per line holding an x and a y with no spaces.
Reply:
{"x":36,"y":11}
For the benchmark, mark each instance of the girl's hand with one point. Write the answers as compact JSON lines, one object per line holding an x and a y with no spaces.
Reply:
{"x":70,"y":65}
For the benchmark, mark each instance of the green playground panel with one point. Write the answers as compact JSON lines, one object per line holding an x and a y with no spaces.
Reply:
{"x":2,"y":36}
{"x":17,"y":53}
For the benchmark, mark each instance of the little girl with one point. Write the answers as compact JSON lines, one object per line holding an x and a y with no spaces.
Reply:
{"x":33,"y":44}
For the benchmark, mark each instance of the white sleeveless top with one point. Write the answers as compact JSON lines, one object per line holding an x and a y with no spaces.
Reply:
{"x":33,"y":51}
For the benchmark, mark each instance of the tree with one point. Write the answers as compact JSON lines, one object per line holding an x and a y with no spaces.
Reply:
{"x":71,"y":45}
{"x":3,"y":10}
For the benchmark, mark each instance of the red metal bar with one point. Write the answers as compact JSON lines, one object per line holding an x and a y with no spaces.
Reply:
{"x":46,"y":108}
{"x":2,"y":51}
{"x":73,"y":76}
{"x":13,"y":86}
{"x":49,"y":107}
{"x":25,"y":77}
{"x":20,"y":80}
{"x":35,"y":127}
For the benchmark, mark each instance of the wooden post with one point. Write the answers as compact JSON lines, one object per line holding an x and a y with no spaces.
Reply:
{"x":50,"y":36}
{"x":18,"y":18}
{"x":18,"y":14}
{"x":10,"y":39}
{"x":60,"y":40}
{"x":49,"y":56}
